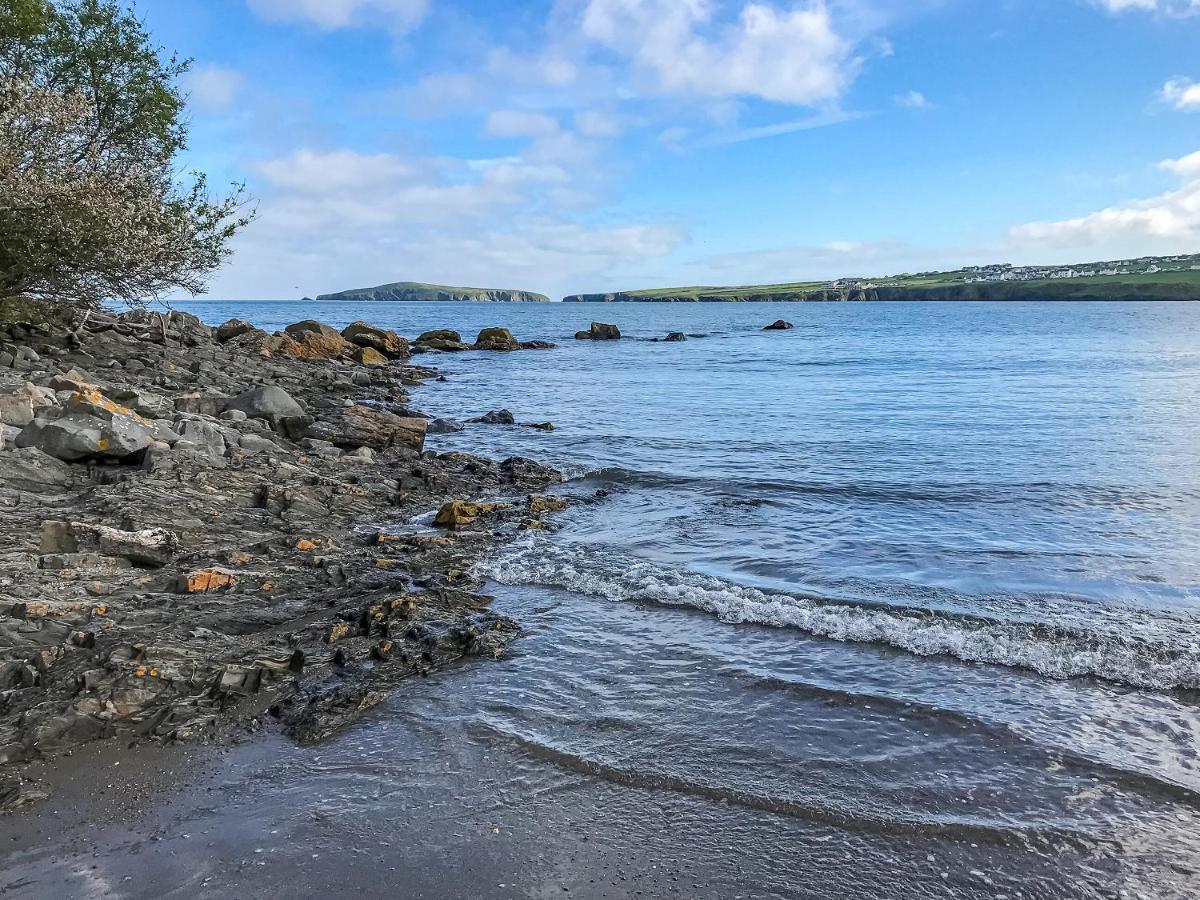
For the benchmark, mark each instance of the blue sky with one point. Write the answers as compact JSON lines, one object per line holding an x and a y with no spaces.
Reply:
{"x":590,"y":145}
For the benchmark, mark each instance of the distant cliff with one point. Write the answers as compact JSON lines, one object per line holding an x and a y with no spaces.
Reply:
{"x":1074,"y":289}
{"x":412,"y":290}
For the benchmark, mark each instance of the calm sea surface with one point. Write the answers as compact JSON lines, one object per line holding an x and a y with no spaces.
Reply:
{"x":902,"y":602}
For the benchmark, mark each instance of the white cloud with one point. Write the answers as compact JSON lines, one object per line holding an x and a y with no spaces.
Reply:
{"x":912,"y":100}
{"x":512,"y":123}
{"x":338,"y":218}
{"x":788,"y":55}
{"x":1162,"y":7}
{"x":591,"y":123}
{"x":1181,"y":93}
{"x":1185,"y":167}
{"x":1168,"y":222}
{"x":212,"y":88}
{"x":399,"y":15}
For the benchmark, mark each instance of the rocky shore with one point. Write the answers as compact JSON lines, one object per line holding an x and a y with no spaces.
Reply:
{"x":207,"y":530}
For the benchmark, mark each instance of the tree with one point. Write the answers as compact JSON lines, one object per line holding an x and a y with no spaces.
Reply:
{"x":92,"y":208}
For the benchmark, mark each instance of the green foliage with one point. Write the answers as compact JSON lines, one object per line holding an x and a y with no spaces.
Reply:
{"x":91,"y":121}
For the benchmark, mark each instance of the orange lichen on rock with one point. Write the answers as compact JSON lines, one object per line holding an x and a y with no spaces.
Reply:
{"x":203,"y":581}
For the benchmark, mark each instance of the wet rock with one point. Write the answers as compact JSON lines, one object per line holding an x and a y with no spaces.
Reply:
{"x":675,"y":337}
{"x":537,"y":345}
{"x":459,"y":513}
{"x":778,"y":325}
{"x":443,"y":426}
{"x":496,"y":417}
{"x":233,"y":328}
{"x":496,"y":339}
{"x":540,"y":504}
{"x":599,"y":331}
{"x":388,"y":343}
{"x":442,"y":339}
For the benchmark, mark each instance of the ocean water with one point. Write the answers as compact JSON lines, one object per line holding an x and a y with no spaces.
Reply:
{"x":917,"y":581}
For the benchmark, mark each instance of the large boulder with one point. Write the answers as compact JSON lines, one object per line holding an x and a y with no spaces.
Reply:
{"x":388,"y":343}
{"x":90,"y":426}
{"x":599,"y":331}
{"x":496,"y":339}
{"x":269,"y":402}
{"x":311,"y":340}
{"x":363,"y":426}
{"x":441,"y":339}
{"x":232,"y":329}
{"x":369,"y":356}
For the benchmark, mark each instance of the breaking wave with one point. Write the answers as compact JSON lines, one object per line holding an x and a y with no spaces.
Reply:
{"x":1158,"y":661}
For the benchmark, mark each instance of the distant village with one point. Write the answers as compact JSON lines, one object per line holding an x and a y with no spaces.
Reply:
{"x":996,"y":272}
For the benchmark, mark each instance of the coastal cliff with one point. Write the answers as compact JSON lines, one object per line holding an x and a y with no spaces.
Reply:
{"x":416,"y":291}
{"x":1078,"y":290}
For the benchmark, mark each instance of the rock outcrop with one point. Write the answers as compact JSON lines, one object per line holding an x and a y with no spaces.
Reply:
{"x":191,"y":536}
{"x":599,"y":332}
{"x":496,"y":339}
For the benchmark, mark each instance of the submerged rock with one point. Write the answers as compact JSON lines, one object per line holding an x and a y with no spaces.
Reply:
{"x":443,"y":426}
{"x":496,"y":417}
{"x":778,"y":325}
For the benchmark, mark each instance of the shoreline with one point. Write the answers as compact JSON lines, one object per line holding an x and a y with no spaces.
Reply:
{"x":209,"y":534}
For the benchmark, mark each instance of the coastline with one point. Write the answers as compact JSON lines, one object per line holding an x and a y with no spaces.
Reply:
{"x":210,"y":532}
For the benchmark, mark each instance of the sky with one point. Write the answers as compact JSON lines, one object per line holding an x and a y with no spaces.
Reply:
{"x":569,"y":146}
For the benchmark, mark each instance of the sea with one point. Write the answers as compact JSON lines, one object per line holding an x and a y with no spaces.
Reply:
{"x":901,"y":602}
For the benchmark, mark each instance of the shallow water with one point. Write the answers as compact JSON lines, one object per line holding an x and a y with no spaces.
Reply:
{"x":916,"y":580}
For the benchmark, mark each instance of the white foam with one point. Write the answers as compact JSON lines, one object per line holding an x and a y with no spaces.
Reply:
{"x":538,"y":560}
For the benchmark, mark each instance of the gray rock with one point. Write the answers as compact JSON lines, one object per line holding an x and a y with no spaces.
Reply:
{"x":77,"y":435}
{"x":496,"y":417}
{"x":30,"y":469}
{"x":207,"y":403}
{"x":443,"y":426}
{"x":233,"y":328}
{"x":16,"y":409}
{"x":142,"y":402}
{"x":233,"y":415}
{"x":200,"y":437}
{"x":267,"y":402}
{"x":256,"y":443}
